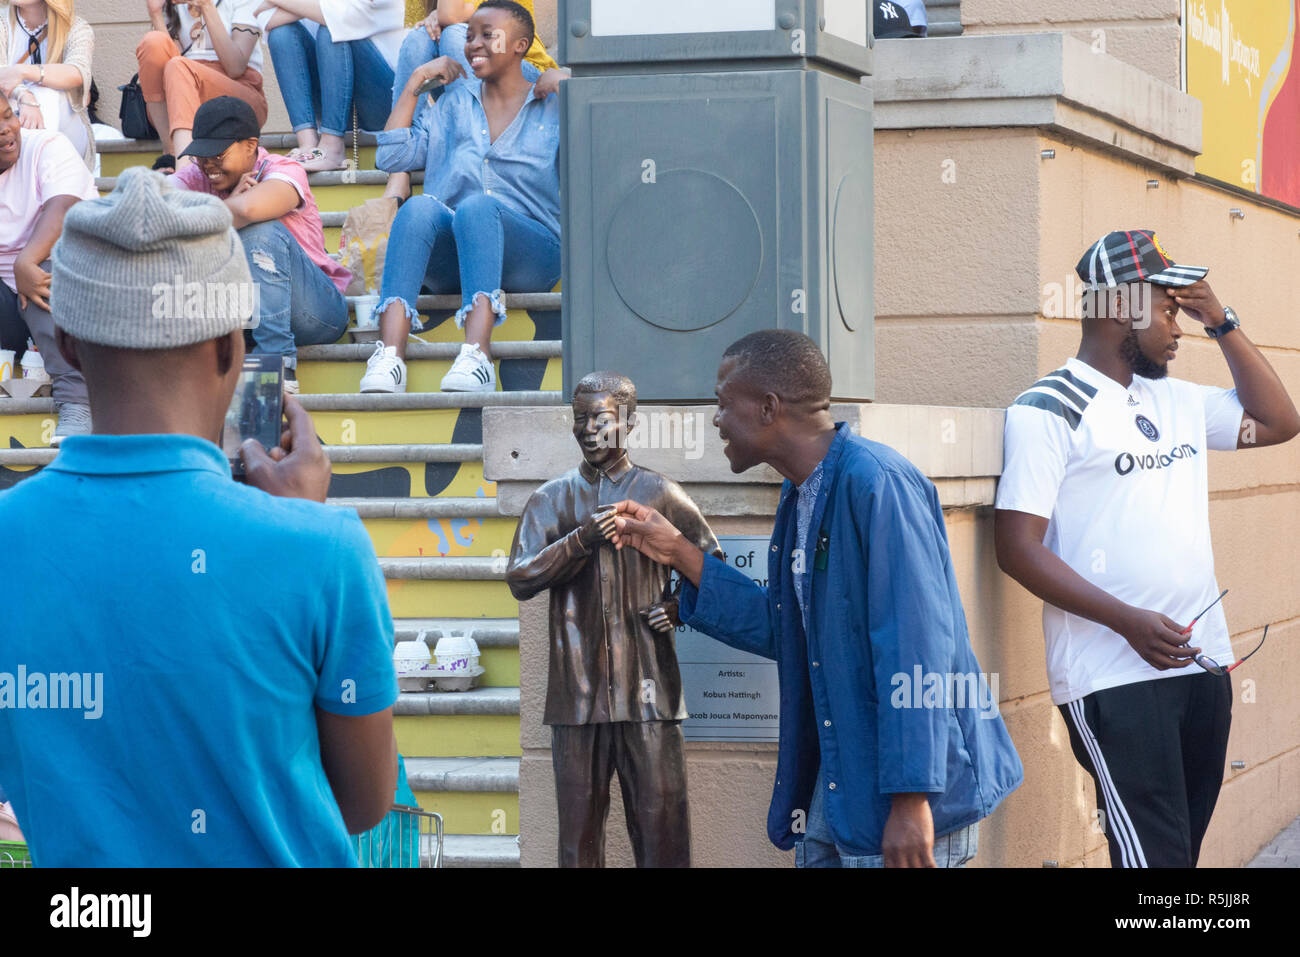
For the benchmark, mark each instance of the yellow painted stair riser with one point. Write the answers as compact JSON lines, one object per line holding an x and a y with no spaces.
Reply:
{"x":432,"y":598}
{"x":459,"y":735}
{"x":440,"y":537}
{"x":473,"y":812}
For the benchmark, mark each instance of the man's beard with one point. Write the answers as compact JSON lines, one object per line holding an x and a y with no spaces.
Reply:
{"x":1137,"y":360}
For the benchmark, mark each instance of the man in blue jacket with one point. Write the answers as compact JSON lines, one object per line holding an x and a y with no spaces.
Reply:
{"x":891,"y":747}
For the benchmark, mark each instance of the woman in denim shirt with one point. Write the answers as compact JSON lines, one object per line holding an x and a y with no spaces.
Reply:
{"x":489,"y":218}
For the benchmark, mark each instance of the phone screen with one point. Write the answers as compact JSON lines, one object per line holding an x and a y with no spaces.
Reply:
{"x":256,"y":409}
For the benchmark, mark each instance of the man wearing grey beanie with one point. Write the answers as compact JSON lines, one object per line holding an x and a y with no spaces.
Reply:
{"x":235,"y":672}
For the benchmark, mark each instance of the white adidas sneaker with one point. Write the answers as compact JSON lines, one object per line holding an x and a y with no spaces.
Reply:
{"x":471,"y":372}
{"x":385,"y":372}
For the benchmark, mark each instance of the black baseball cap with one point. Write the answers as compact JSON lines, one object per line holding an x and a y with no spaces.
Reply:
{"x":220,"y":122}
{"x":889,"y":19}
{"x":1134,"y":255}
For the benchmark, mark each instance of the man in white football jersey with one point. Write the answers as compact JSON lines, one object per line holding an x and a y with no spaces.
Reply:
{"x":1103,"y":512}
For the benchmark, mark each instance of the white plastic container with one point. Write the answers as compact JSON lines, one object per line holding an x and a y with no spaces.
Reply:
{"x":462,"y":680}
{"x":456,"y":653}
{"x":365,"y":311}
{"x":33,"y":365}
{"x":413,"y":664}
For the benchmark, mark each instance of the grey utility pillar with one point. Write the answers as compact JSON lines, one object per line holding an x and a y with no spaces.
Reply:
{"x":716,"y":178}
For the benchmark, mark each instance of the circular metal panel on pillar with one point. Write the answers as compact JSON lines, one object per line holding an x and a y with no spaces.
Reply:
{"x":850,"y":235}
{"x":663,"y":248}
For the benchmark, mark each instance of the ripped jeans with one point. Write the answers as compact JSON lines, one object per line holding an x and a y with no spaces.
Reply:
{"x":298,"y":305}
{"x":481,"y":248}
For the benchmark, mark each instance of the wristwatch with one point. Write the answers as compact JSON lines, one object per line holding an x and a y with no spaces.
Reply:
{"x":1230,"y":322}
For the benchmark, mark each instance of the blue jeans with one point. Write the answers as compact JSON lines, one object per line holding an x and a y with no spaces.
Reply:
{"x":354,"y":70}
{"x":418,"y":49}
{"x":298,"y":305}
{"x":818,"y":848}
{"x":480,"y":248}
{"x":293,"y":54}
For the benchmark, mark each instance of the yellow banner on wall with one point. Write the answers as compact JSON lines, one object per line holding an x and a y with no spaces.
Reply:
{"x":1243,"y":64}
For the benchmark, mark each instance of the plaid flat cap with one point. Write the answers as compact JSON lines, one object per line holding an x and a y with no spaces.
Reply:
{"x":1134,"y":255}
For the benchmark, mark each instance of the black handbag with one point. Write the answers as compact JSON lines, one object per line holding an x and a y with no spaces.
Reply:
{"x":132,"y":113}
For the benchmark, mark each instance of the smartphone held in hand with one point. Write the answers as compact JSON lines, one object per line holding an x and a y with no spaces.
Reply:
{"x":256,"y":410}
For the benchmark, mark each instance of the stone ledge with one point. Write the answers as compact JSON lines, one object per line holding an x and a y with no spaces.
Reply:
{"x":960,"y":449}
{"x":1046,"y":80}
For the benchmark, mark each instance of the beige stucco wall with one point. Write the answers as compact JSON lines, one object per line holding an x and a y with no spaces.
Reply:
{"x":1146,"y":33}
{"x":119,"y":25}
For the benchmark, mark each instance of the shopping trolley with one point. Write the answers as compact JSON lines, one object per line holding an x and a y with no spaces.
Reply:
{"x":15,"y":854}
{"x":407,"y":837}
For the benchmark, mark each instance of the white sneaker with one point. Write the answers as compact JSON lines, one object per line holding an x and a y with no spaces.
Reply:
{"x":385,"y":372}
{"x":471,"y":372}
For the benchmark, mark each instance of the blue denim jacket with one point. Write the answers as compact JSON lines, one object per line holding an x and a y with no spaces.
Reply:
{"x":452,"y":143}
{"x":883,"y":611}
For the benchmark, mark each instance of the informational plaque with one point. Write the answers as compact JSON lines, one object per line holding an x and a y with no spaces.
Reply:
{"x":732,"y":695}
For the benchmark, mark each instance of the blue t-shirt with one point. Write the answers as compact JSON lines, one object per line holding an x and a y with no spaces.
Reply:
{"x":166,"y":638}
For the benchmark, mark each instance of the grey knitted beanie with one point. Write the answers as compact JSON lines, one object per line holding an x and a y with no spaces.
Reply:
{"x":150,"y":266}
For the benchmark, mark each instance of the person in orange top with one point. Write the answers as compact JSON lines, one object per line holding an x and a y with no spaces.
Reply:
{"x":443,"y":33}
{"x":194,"y":52}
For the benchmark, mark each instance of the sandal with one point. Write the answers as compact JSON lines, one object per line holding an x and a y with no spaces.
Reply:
{"x":319,"y":154}
{"x":298,"y":154}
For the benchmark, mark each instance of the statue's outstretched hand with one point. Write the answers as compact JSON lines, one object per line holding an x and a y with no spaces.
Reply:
{"x":599,"y":527}
{"x":645,"y":530}
{"x":662,"y":615}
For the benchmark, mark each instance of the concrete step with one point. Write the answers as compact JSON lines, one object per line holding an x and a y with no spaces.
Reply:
{"x":388,"y":472}
{"x":477,"y":775}
{"x":426,"y":508}
{"x":407,"y":401}
{"x":318,"y":181}
{"x":358,"y":402}
{"x":341,"y":454}
{"x":491,"y":700}
{"x":450,"y":587}
{"x":444,"y":569}
{"x":275,"y":142}
{"x":480,"y":850}
{"x":473,"y":795}
{"x":420,"y":351}
{"x":483,"y":722}
{"x":540,"y":301}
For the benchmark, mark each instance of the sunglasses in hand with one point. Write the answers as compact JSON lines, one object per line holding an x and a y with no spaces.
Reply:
{"x":1208,"y":663}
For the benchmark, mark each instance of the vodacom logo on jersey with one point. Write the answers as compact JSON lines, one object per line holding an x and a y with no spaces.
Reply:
{"x":1126,"y":462}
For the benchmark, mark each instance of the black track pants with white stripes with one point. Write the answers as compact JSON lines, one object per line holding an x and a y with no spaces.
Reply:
{"x":1155,"y":750}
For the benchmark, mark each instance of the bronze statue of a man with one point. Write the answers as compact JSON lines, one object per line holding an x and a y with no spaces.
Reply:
{"x":614,"y":696}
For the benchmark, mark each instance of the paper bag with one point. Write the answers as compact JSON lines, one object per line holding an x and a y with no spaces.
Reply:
{"x":364,"y":242}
